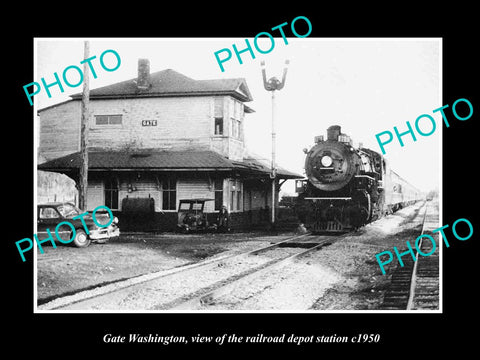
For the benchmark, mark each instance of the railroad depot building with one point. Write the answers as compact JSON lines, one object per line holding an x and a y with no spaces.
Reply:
{"x":159,"y":138}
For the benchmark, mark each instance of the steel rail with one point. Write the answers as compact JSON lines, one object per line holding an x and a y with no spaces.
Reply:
{"x":413,"y":280}
{"x":215,"y":291}
{"x":114,"y":286}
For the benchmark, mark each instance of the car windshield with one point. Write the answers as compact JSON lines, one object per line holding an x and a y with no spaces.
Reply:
{"x":68,"y":210}
{"x":184,"y":206}
{"x":197,"y":206}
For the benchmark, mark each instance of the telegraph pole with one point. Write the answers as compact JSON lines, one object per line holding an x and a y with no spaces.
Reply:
{"x":271,"y":85}
{"x":83,"y":180}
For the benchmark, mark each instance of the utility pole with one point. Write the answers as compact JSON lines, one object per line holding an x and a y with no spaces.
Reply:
{"x":271,"y":85}
{"x":83,"y":180}
{"x":273,"y":174}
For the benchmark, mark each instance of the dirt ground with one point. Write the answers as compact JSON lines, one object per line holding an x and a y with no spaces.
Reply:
{"x":361,"y":284}
{"x":65,"y":270}
{"x":342,"y":276}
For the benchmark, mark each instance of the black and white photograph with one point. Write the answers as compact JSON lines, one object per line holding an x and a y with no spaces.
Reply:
{"x":226,"y":189}
{"x":252,"y":189}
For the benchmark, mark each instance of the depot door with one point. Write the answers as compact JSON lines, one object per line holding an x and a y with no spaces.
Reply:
{"x":111,"y":193}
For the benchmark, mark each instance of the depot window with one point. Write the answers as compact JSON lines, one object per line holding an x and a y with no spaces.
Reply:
{"x":218,"y":116}
{"x":111,"y":193}
{"x":169,"y":189}
{"x":236,"y":111}
{"x":101,"y":120}
{"x":236,"y":196}
{"x":235,"y":128}
{"x":218,"y":194}
{"x":219,"y":126}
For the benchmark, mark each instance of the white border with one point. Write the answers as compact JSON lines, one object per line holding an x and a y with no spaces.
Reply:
{"x":36,"y":144}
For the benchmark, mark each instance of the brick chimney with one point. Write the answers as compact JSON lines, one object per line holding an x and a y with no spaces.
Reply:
{"x":143,"y":79}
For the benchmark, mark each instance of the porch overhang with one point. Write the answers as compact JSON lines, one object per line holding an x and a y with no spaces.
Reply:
{"x":162,"y":161}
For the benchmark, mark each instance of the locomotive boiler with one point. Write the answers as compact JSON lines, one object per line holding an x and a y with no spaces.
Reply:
{"x":347,"y":187}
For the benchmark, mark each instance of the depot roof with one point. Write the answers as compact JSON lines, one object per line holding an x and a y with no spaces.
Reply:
{"x":158,"y":160}
{"x":171,"y":83}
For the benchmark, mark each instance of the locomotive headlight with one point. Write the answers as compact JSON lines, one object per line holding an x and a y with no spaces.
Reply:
{"x":326,"y":161}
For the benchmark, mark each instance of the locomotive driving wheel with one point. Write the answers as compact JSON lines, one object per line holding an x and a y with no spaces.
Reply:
{"x":364,"y":208}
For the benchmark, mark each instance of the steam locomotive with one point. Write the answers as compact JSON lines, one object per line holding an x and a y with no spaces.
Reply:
{"x":348,"y":187}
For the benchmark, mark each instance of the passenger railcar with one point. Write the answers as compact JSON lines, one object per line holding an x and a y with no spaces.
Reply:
{"x":348,"y":187}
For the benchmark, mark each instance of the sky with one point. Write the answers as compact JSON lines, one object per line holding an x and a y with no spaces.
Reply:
{"x":365,"y":85}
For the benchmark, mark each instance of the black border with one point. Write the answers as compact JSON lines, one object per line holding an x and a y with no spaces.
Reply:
{"x":82,"y":333}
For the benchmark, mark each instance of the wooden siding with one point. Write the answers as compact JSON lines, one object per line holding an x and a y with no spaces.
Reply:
{"x":148,"y":186}
{"x":196,"y":188}
{"x":181,"y":123}
{"x":60,"y":130}
{"x":95,"y":194}
{"x":187,"y":188}
{"x":145,"y":188}
{"x":259,"y":199}
{"x":235,"y":149}
{"x":220,"y":144}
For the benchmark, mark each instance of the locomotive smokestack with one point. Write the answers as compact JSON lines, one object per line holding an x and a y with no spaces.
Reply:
{"x":333,"y":132}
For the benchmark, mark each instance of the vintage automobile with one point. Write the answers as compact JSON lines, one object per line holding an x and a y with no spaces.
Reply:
{"x":49,"y":215}
{"x":191,"y":216}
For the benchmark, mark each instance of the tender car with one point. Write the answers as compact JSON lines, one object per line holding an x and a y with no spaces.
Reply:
{"x":191,"y":216}
{"x":51,"y":214}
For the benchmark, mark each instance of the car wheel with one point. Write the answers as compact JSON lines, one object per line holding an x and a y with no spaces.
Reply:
{"x":81,"y":239}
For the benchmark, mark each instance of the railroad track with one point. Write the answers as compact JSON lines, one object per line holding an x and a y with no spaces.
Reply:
{"x":415,"y":286}
{"x":190,"y":285}
{"x":206,"y":297}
